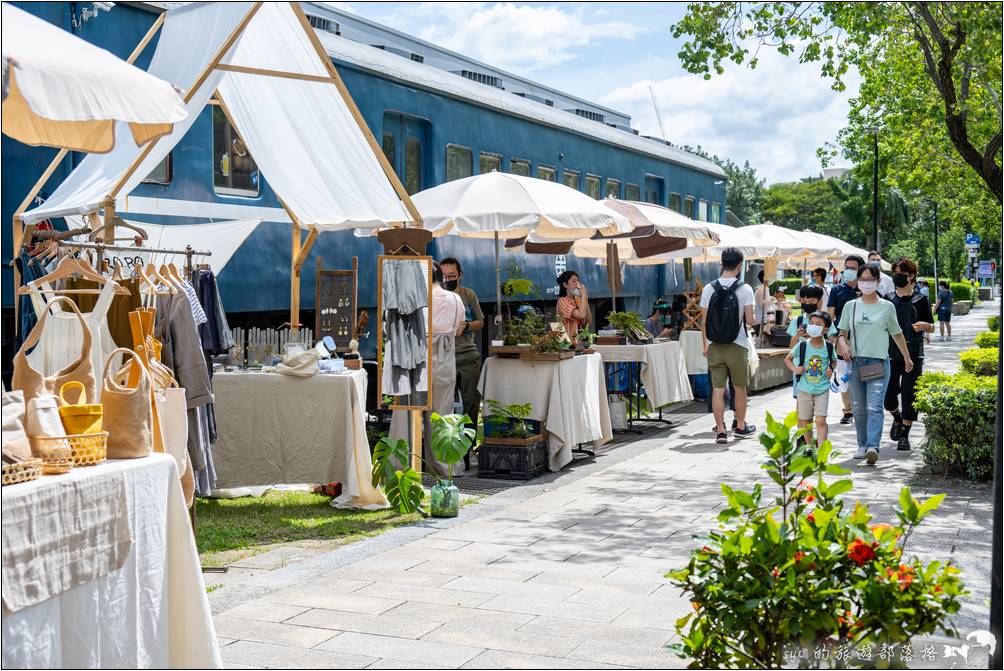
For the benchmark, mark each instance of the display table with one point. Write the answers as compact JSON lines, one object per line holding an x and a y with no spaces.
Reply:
{"x":568,"y":396}
{"x":663,"y":371}
{"x":692,"y":343}
{"x":151,"y":612}
{"x":280,"y":429}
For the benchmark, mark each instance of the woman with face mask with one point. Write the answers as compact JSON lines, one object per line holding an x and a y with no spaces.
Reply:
{"x":913,"y":311}
{"x":866,"y":325}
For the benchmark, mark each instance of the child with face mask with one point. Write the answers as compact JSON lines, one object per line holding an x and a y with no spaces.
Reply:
{"x":812,"y":360}
{"x":811,"y":300}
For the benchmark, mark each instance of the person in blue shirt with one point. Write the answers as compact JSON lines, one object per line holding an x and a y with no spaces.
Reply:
{"x":812,"y":361}
{"x":840,"y":295}
{"x":811,"y":300}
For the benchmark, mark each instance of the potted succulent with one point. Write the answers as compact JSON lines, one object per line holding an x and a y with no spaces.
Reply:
{"x":451,"y":440}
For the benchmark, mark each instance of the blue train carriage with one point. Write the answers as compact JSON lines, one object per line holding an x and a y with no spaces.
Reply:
{"x":438,"y":116}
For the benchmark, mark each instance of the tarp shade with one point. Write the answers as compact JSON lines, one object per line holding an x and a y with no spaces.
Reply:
{"x":301,"y":133}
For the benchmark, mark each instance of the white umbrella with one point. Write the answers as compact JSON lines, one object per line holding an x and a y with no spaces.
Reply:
{"x":61,"y":91}
{"x":752,"y":247}
{"x":793,"y":245}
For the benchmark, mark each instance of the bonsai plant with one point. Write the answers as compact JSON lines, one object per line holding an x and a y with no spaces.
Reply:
{"x":629,"y":324}
{"x":549,"y":342}
{"x":451,"y":440}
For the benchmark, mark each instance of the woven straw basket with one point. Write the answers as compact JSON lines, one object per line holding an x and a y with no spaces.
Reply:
{"x":22,"y":471}
{"x":86,"y":449}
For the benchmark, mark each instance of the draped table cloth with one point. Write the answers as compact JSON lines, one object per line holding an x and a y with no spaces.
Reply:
{"x":151,"y":612}
{"x":692,"y":343}
{"x":568,"y":396}
{"x":281,"y":429}
{"x":663,"y":371}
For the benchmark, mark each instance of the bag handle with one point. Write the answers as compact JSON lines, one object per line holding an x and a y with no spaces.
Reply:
{"x":36,"y":335}
{"x":109,"y":378}
{"x":73,"y":384}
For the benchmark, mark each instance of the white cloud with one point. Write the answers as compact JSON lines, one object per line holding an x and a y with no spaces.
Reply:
{"x":776,"y":116}
{"x":526,"y":38}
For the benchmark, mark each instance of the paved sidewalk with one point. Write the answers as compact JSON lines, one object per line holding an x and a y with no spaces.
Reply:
{"x":568,"y":572}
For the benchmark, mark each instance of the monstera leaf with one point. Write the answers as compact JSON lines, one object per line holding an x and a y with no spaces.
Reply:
{"x":451,"y":437}
{"x":388,"y":456}
{"x":406,"y":493}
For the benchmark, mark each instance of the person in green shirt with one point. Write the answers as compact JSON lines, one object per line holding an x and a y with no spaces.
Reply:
{"x":812,"y":361}
{"x":468,"y":357}
{"x":866,"y":325}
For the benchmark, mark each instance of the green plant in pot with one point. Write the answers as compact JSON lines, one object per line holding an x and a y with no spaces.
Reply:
{"x":512,"y":416}
{"x":585,"y":338}
{"x":392,"y":471}
{"x":629,"y":324}
{"x":451,"y":440}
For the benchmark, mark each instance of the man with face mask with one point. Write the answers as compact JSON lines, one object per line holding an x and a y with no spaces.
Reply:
{"x":885,"y":286}
{"x":840,"y":295}
{"x":468,"y":357}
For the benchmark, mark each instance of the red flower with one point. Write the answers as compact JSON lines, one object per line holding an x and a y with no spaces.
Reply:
{"x":811,"y":517}
{"x":810,"y":498}
{"x":775,"y":572}
{"x":860,"y":552}
{"x":798,"y":556}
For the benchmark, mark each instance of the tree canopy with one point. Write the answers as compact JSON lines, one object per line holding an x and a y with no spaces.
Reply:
{"x":744,"y":193}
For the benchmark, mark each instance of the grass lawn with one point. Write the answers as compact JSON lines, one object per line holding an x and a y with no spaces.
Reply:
{"x":228,"y":530}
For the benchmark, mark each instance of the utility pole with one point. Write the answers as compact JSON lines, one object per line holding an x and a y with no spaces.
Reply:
{"x":875,"y":195}
{"x":935,"y":287}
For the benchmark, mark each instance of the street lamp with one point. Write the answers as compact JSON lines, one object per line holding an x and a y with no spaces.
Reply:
{"x":935,"y":287}
{"x":875,"y":198}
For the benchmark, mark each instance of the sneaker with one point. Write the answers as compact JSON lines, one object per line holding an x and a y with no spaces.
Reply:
{"x":903,"y":443}
{"x":949,"y":338}
{"x":861,"y":453}
{"x":721,"y":438}
{"x":896,"y":429}
{"x":871,"y":456}
{"x":746,"y":432}
{"x":847,"y":418}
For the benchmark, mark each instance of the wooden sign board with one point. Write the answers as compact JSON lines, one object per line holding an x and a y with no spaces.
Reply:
{"x":335,"y":304}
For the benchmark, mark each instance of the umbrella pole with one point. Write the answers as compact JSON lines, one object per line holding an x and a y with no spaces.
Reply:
{"x":498,"y":283}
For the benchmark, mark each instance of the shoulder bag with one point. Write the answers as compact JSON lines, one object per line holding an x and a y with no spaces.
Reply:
{"x":128,"y":413}
{"x":33,"y":383}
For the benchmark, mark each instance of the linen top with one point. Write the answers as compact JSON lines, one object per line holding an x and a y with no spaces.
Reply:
{"x":447,"y":310}
{"x":872,"y":325}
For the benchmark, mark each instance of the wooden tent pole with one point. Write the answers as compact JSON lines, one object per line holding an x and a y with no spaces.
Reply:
{"x":192,"y":90}
{"x":395,"y":181}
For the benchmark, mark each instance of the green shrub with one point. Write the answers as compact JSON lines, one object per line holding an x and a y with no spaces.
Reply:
{"x":961,"y":291}
{"x":803,"y":568}
{"x":994,"y":323}
{"x":959,"y":416}
{"x":789,"y":285}
{"x":988,"y":339}
{"x":980,"y":361}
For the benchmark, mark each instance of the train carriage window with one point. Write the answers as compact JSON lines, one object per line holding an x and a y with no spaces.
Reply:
{"x":546,"y":172}
{"x":519,"y":166}
{"x":632,"y":192}
{"x":490,"y":162}
{"x":161,"y":173}
{"x":234,"y":171}
{"x":389,"y":148}
{"x":412,"y":165}
{"x":570,"y":178}
{"x":593,"y":186}
{"x":674,"y":202}
{"x":702,"y":210}
{"x":459,"y":162}
{"x":688,"y":207}
{"x":654,"y":189}
{"x":716,"y":213}
{"x":613,"y":188}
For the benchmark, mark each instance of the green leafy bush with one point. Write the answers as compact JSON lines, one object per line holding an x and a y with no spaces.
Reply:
{"x":980,"y":361}
{"x":959,"y":422}
{"x":802,"y":570}
{"x":994,"y":323}
{"x":962,"y":291}
{"x":988,"y":339}
{"x":789,"y":285}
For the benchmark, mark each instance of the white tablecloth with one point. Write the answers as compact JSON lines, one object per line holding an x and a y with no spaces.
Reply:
{"x":692,"y":343}
{"x":279,"y":429}
{"x":151,"y":613}
{"x":663,"y":371}
{"x":569,"y":396}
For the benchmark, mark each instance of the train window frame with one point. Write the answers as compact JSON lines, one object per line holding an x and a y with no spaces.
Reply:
{"x":637,"y":192}
{"x":170,"y":171}
{"x":598,"y":182}
{"x":673,"y":195}
{"x":231,"y":191}
{"x":612,"y":182}
{"x":489,"y":155}
{"x":513,"y":160}
{"x":446,"y":164}
{"x":565,"y":173}
{"x":688,"y":200}
{"x":716,"y":212}
{"x":552,"y":169}
{"x":702,"y":210}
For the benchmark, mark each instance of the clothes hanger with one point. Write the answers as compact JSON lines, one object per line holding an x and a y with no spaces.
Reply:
{"x":116,"y":268}
{"x":69,"y":266}
{"x":118,"y":222}
{"x":151,"y":270}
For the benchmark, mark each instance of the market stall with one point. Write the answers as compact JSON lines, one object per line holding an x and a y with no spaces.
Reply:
{"x":663,"y":373}
{"x":100,"y":570}
{"x":568,"y":396}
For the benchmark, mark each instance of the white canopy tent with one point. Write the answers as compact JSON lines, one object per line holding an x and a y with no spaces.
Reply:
{"x":752,"y":247}
{"x":791,"y":244}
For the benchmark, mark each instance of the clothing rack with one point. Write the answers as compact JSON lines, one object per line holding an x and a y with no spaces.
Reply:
{"x":101,"y":248}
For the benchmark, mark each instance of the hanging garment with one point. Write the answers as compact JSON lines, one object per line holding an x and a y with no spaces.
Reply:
{"x":34,"y":382}
{"x":405,"y":296}
{"x":198,"y":314}
{"x":118,"y":312}
{"x":215,"y":333}
{"x":60,"y":339}
{"x":30,"y":270}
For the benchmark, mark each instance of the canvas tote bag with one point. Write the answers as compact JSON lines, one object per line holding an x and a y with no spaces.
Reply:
{"x":32,"y":383}
{"x":128,"y":413}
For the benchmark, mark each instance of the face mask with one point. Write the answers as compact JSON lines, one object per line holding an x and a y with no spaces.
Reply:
{"x":850,"y":274}
{"x":868,"y":286}
{"x":900,"y":280}
{"x":451,"y":285}
{"x":808,"y":309}
{"x":814,"y":330}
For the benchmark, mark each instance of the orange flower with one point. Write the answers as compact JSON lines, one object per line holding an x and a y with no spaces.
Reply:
{"x":810,"y":498}
{"x":798,"y":556}
{"x":861,"y":552}
{"x":904,"y":575}
{"x":695,"y":605}
{"x":811,"y":517}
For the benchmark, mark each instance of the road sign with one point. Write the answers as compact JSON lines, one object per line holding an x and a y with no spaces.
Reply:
{"x":972,"y":240}
{"x":986,"y":270}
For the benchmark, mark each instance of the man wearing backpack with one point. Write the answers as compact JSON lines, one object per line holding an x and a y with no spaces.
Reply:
{"x":812,"y":361}
{"x":726,"y":310}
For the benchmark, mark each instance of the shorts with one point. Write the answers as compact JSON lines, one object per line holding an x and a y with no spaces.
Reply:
{"x":945,"y":315}
{"x":728,"y":359}
{"x":812,"y":405}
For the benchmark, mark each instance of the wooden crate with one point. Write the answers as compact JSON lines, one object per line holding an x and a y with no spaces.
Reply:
{"x":513,"y":458}
{"x":508,"y":350}
{"x":611,"y":340}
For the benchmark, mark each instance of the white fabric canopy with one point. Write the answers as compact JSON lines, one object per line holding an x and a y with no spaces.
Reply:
{"x":791,"y":244}
{"x":752,"y":247}
{"x":301,"y":133}
{"x":62,"y":91}
{"x":643,"y":216}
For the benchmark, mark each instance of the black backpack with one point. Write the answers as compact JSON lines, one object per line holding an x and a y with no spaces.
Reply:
{"x":723,"y":313}
{"x":802,"y":347}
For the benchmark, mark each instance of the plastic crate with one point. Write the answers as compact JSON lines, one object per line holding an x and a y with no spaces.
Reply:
{"x":513,"y":459}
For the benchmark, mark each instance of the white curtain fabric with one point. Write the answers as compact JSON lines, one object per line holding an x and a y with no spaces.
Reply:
{"x":301,"y":133}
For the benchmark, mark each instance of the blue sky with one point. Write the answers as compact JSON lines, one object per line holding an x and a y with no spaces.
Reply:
{"x":611,"y":52}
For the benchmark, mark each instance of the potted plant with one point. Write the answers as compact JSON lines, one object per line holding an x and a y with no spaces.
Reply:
{"x":584,"y":338}
{"x":451,"y":440}
{"x":392,"y":471}
{"x":629,"y":324}
{"x":514,"y":445}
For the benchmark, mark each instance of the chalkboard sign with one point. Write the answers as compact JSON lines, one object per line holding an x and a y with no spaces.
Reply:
{"x":336,"y":304}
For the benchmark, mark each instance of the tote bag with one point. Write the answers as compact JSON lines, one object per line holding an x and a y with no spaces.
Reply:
{"x":128,"y":413}
{"x":33,"y":383}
